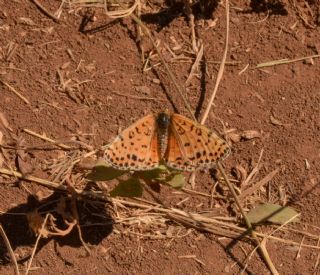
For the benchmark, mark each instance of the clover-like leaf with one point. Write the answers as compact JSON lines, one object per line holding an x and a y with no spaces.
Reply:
{"x":129,"y":188}
{"x":272,"y":213}
{"x":102,"y":172}
{"x":152,"y":174}
{"x":176,"y":181}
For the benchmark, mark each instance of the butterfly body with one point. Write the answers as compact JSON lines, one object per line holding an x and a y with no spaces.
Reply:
{"x":178,"y":142}
{"x":163,"y":123}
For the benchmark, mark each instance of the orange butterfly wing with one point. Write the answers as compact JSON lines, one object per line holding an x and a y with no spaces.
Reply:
{"x":135,"y":148}
{"x":192,"y":146}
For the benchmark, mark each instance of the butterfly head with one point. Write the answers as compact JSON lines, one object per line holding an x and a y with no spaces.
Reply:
{"x":163,"y":120}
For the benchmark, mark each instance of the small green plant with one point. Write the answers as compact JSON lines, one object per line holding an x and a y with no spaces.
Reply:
{"x":130,"y":183}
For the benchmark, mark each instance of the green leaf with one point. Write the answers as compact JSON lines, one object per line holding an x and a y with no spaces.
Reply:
{"x":103,"y":172}
{"x":128,"y":188}
{"x":176,"y":181}
{"x":152,"y":174}
{"x":273,"y":213}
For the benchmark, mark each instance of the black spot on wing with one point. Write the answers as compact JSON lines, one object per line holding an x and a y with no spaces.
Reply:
{"x":137,"y":130}
{"x":134,"y":157}
{"x":198,"y":131}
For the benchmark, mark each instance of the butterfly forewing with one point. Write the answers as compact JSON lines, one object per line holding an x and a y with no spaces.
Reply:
{"x":192,"y":145}
{"x":136,"y":147}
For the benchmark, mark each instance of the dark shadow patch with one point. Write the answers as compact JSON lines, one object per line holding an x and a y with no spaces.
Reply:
{"x":203,"y":69}
{"x":173,"y":9}
{"x":87,"y":19}
{"x":95,"y":221}
{"x":274,"y":7}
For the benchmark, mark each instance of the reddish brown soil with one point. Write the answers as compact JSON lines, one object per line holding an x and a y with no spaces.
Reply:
{"x":110,"y":59}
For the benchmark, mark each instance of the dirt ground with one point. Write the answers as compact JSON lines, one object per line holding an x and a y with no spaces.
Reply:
{"x":82,"y":78}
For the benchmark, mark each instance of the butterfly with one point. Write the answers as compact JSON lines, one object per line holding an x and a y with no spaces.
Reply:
{"x":173,"y":140}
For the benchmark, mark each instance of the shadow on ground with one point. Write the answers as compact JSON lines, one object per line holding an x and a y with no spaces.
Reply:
{"x":95,"y":220}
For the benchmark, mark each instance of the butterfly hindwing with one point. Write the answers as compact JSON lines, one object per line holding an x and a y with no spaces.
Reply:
{"x":135,"y":148}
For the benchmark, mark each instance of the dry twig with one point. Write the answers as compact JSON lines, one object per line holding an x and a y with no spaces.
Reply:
{"x":43,"y":137}
{"x":25,"y":100}
{"x":285,"y":61}
{"x":45,"y":11}
{"x":10,"y":250}
{"x":36,"y":244}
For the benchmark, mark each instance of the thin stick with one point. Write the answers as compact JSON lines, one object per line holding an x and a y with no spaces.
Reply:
{"x":254,"y":171}
{"x":13,"y":68}
{"x":185,"y":59}
{"x":259,"y":184}
{"x":45,"y":11}
{"x":318,"y":259}
{"x":195,"y":64}
{"x":221,"y":68}
{"x":43,"y":182}
{"x":171,"y":76}
{"x":285,"y":61}
{"x":137,"y":97}
{"x":9,"y":247}
{"x":15,"y":92}
{"x":36,"y":244}
{"x":262,"y":249}
{"x":63,"y":146}
{"x":219,"y":77}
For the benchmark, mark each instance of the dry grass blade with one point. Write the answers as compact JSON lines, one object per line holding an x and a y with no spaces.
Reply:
{"x":24,"y":99}
{"x":219,"y":77}
{"x":201,"y":222}
{"x":145,"y":30}
{"x":170,"y":74}
{"x":195,"y":220}
{"x":185,"y":59}
{"x":75,"y":213}
{"x":43,"y":182}
{"x":137,"y":97}
{"x":36,"y":244}
{"x":258,"y":185}
{"x":195,"y":65}
{"x":4,"y":122}
{"x":262,"y":251}
{"x":254,"y":171}
{"x":10,"y":250}
{"x":285,"y":61}
{"x":221,"y":68}
{"x":63,"y":146}
{"x":318,"y":258}
{"x":45,"y":11}
{"x":115,"y":13}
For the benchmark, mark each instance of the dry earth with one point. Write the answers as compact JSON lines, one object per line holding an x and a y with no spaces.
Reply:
{"x":83,"y":79}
